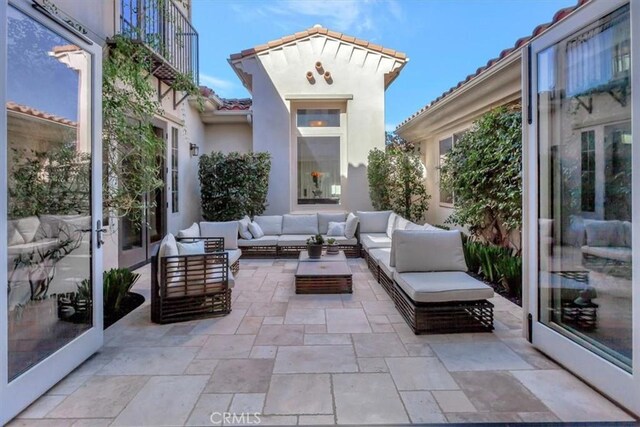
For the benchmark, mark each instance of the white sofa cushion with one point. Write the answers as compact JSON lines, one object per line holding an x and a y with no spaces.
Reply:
{"x":300,"y":224}
{"x":342,"y":240}
{"x":391,"y":224}
{"x":604,"y":233}
{"x":375,"y":240}
{"x":442,"y":286}
{"x":194,"y":248}
{"x":243,"y":228}
{"x":413,"y":227}
{"x":261,"y":241}
{"x":293,"y":240}
{"x":382,"y":256}
{"x":401,"y":223}
{"x":627,"y":231}
{"x":351,"y":226}
{"x":427,"y":251}
{"x":13,"y":236}
{"x":271,"y":225}
{"x":168,"y":247}
{"x":336,"y":229}
{"x":620,"y":253}
{"x":50,"y":225}
{"x":325,"y":218}
{"x":227,"y":229}
{"x":42,"y":245}
{"x":373,"y":221}
{"x":256,"y":230}
{"x":27,"y":227}
{"x":193,"y":231}
{"x":234,"y":255}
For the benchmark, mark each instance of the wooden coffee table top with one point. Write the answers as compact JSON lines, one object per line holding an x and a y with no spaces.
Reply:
{"x":323,"y":269}
{"x":340,"y":256}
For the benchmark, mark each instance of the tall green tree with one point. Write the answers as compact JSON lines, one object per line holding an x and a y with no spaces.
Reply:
{"x":483,"y":170}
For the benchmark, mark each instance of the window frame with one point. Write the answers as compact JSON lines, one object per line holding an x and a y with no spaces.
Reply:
{"x":306,"y":132}
{"x":455,"y":137}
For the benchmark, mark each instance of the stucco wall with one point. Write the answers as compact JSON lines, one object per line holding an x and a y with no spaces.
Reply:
{"x":279,"y":78}
{"x":227,"y":138}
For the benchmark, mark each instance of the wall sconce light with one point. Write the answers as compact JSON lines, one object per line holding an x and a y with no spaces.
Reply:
{"x":194,"y":149}
{"x":310,"y":77}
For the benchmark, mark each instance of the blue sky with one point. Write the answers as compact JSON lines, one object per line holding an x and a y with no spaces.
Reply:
{"x":445,"y":39}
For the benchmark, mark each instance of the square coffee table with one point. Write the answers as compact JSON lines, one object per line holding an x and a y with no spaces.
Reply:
{"x":321,"y":276}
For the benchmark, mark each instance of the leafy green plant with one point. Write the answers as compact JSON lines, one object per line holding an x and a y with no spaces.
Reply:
{"x":233,"y":185}
{"x":396,"y":182}
{"x":117,"y":283}
{"x":331,"y":241}
{"x":379,"y":177}
{"x":315,"y":240}
{"x":131,"y":149}
{"x":495,"y":264}
{"x":483,"y":170}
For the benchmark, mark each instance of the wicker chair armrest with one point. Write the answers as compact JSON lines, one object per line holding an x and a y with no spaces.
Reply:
{"x":188,"y":275}
{"x":211,"y":244}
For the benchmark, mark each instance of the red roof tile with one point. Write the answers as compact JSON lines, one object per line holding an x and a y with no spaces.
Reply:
{"x":228,"y":104}
{"x":319,"y":30}
{"x":559,"y":15}
{"x":12,"y":106}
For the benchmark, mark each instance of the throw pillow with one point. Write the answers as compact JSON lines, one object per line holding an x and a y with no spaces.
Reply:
{"x":196,"y":248}
{"x":336,"y":228}
{"x":243,"y":228}
{"x":351,"y":226}
{"x":391,"y":224}
{"x":256,"y":230}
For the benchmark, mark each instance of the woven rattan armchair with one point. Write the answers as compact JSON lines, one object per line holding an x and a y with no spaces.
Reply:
{"x":187,"y":287}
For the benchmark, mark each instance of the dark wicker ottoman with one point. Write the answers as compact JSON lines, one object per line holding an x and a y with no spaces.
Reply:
{"x":324,"y":277}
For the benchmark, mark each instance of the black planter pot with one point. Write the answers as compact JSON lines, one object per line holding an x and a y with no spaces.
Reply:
{"x":315,"y":251}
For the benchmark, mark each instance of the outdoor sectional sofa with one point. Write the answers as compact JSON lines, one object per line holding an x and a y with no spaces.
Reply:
{"x":425,"y":274}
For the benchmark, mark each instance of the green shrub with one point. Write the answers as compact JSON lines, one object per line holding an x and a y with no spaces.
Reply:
{"x":483,"y":170}
{"x":116,"y":285}
{"x":496,"y":265}
{"x":396,"y":182}
{"x":233,"y":185}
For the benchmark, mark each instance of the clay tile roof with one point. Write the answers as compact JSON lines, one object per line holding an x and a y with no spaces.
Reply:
{"x":318,"y":30}
{"x":236,"y":104}
{"x":23,"y":109}
{"x":557,"y":17}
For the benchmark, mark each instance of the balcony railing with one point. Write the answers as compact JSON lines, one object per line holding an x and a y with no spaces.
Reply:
{"x":165,"y":30}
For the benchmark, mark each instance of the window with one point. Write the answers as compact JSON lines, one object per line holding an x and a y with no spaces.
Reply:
{"x":174,"y":170}
{"x":588,"y":187}
{"x":318,"y":118}
{"x":319,"y":170}
{"x":446,"y":197}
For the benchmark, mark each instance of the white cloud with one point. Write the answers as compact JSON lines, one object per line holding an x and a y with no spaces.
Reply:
{"x":217,"y":84}
{"x":353,"y":16}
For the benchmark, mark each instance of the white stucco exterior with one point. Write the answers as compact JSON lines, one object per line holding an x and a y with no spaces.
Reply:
{"x":277,"y":79}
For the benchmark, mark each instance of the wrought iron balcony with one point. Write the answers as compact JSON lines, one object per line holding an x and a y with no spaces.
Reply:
{"x":162,"y":27}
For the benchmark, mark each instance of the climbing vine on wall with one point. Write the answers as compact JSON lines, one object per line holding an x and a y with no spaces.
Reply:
{"x":131,"y":149}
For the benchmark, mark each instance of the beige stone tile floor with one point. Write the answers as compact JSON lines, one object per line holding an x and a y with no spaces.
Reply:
{"x":313,"y":359}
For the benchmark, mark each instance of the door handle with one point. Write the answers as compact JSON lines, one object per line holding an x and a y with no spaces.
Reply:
{"x":99,"y":231}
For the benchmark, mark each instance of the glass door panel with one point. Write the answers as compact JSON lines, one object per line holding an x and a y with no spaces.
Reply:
{"x":49,"y":136}
{"x":585,"y":187}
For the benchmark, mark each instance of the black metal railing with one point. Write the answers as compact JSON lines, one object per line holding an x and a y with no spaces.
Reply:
{"x":166,"y":31}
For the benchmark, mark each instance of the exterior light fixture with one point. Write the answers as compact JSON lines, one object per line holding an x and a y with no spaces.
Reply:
{"x":194,"y":149}
{"x":317,"y":123}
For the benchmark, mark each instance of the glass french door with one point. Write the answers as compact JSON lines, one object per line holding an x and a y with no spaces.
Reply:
{"x":583,"y":197}
{"x":50,"y":259}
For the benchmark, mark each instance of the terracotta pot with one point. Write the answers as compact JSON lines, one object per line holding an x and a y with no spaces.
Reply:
{"x":315,"y":251}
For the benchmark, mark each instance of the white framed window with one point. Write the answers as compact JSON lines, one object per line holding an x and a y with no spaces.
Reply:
{"x":447,"y":198}
{"x":318,"y":155}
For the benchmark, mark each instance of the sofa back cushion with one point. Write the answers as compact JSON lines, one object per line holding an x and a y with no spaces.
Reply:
{"x":271,"y":225}
{"x":27,"y":227}
{"x":243,"y":228}
{"x":300,"y":224}
{"x":604,"y":233}
{"x":228,"y":230}
{"x":351,"y":226}
{"x":627,"y":231}
{"x":401,"y":223}
{"x":373,"y":221}
{"x":428,"y":251}
{"x":13,"y":237}
{"x":391,"y":224}
{"x":325,"y":218}
{"x":193,"y":231}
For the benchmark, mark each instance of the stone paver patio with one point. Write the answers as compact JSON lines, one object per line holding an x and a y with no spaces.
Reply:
{"x":313,"y":359}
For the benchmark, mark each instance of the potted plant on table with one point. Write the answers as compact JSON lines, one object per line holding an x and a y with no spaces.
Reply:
{"x":332,"y":247}
{"x":314,"y":246}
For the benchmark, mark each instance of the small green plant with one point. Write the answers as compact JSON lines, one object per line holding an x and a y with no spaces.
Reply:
{"x":315,"y":240}
{"x":496,"y":265}
{"x":331,"y":241}
{"x":117,"y":283}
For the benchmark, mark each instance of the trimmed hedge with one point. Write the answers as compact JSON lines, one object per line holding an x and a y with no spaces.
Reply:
{"x":233,"y":185}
